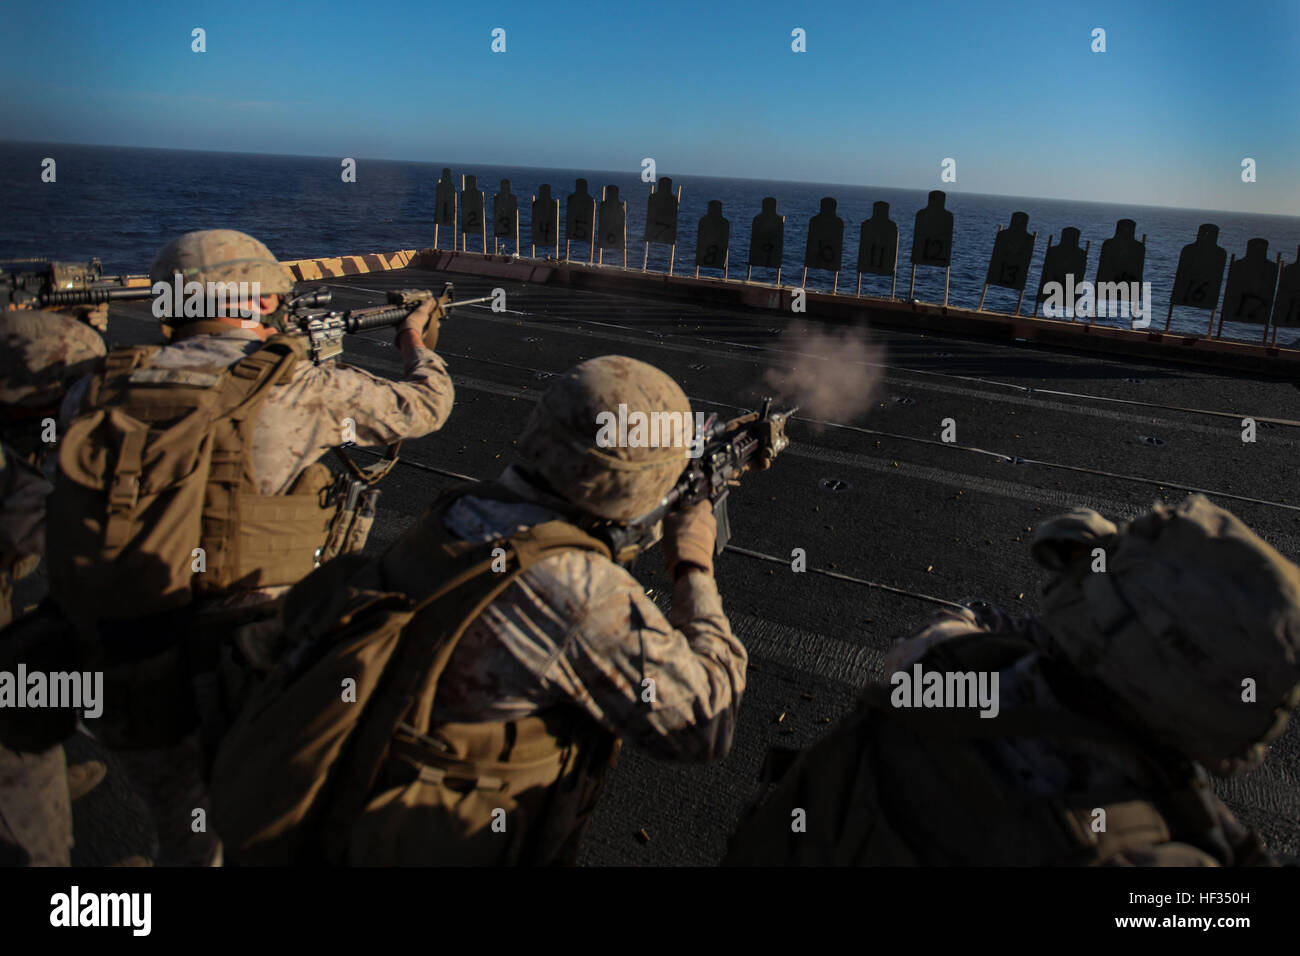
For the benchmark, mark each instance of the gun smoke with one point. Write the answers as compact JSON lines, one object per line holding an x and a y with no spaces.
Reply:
{"x":835,"y":377}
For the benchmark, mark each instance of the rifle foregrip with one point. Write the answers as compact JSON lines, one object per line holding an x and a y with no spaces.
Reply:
{"x":382,"y":319}
{"x":93,"y":296}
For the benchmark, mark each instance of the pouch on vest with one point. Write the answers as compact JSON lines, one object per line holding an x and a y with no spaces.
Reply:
{"x":136,"y":493}
{"x":298,"y":769}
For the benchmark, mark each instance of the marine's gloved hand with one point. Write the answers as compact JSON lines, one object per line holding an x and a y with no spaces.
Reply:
{"x":1058,"y":542}
{"x":96,"y":316}
{"x":426,"y":321}
{"x":689,"y":536}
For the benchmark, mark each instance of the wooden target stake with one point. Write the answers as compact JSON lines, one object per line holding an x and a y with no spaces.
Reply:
{"x":980,"y":307}
{"x":1231,"y":259}
{"x":1273,"y":311}
{"x":672,"y":250}
{"x":893,"y":279}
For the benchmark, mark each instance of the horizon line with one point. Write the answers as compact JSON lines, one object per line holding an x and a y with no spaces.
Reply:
{"x":793,"y":182}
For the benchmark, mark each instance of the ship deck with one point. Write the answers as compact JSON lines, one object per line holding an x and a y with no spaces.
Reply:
{"x":911,"y":519}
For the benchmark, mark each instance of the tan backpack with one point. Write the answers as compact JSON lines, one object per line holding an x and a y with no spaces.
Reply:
{"x":155,"y":467}
{"x":295,"y":780}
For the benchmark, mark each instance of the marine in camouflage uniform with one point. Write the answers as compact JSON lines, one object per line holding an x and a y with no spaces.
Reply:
{"x":318,"y":408}
{"x":41,"y":354}
{"x":1163,"y":649}
{"x":572,"y":650}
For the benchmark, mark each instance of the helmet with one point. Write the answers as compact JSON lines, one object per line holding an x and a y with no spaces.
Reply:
{"x":1193,"y":625}
{"x":611,"y":436}
{"x":41,"y":354}
{"x":221,"y":255}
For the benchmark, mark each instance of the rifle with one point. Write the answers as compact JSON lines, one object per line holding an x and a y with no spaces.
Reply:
{"x":40,"y":283}
{"x":325,"y":328}
{"x":749,"y":442}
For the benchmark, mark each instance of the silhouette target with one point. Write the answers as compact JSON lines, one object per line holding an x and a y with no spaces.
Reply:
{"x":505,"y":211}
{"x":1122,"y":255}
{"x":1288,"y":295}
{"x":661,"y":214}
{"x":713,"y":238}
{"x":613,"y":220}
{"x":825,"y":248}
{"x":1249,"y":293}
{"x":578,"y":213}
{"x":1200,"y":270}
{"x":471,"y":206}
{"x":545,"y":221}
{"x":932,"y":237}
{"x":878,"y":242}
{"x":767,"y":237}
{"x":1012,"y":250}
{"x":444,"y":202}
{"x":1061,"y":261}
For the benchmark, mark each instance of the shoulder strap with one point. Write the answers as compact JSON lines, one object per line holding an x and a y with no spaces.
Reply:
{"x":248,"y":381}
{"x":110,"y":378}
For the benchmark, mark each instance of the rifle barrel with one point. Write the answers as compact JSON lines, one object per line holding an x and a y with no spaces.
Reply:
{"x":364,"y":320}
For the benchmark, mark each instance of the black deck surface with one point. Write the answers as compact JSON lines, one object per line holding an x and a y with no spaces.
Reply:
{"x":946,"y":521}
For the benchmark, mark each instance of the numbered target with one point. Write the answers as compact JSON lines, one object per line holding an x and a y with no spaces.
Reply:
{"x":444,"y":202}
{"x":613,"y":220}
{"x":767,"y":237}
{"x":579,"y":214}
{"x":825,"y":248}
{"x":1248,"y":296}
{"x":545,"y":218}
{"x":471,"y":206}
{"x":878,"y":242}
{"x":1200,"y":270}
{"x":1012,"y":250}
{"x":713,"y":237}
{"x":505,"y":212}
{"x":661,"y":214}
{"x":932,"y":237}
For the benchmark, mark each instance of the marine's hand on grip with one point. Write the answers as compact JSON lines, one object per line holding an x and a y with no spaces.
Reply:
{"x":689,"y":536}
{"x":426,"y":320}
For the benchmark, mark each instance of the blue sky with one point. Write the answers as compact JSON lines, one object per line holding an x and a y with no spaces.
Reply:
{"x":885,"y":91}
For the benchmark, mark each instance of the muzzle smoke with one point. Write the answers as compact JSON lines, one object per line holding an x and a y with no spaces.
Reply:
{"x":836,"y":374}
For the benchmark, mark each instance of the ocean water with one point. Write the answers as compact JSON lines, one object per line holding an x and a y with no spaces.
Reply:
{"x":123,"y":204}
